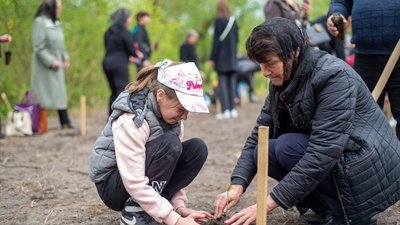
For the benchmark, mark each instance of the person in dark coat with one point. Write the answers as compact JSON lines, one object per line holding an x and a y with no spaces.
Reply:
{"x":119,"y":47}
{"x":334,"y":46}
{"x":330,"y":146}
{"x":375,"y":37}
{"x":224,"y":58}
{"x":187,"y":51}
{"x":142,"y":40}
{"x":289,"y":9}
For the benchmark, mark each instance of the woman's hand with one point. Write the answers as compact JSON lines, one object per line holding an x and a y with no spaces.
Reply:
{"x":5,"y":38}
{"x":331,"y":26}
{"x":223,"y":202}
{"x":145,"y":63}
{"x":55,"y":65}
{"x":66,"y":64}
{"x":198,"y":216}
{"x":248,"y":215}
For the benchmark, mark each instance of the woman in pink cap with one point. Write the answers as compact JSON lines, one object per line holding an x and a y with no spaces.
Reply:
{"x":139,"y":164}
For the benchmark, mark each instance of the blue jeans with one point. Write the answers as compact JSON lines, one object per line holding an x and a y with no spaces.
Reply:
{"x":284,"y":153}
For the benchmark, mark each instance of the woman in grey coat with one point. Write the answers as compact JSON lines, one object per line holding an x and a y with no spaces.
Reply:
{"x":49,"y":60}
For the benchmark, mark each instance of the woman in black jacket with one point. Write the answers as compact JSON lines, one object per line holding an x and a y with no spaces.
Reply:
{"x":119,"y":47}
{"x":330,"y":148}
{"x":224,"y":58}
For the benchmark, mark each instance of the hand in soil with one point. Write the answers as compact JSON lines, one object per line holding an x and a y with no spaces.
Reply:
{"x":219,"y":221}
{"x":227,"y":200}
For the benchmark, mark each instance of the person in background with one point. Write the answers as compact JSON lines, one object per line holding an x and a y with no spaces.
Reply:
{"x":288,"y":9}
{"x":139,"y":163}
{"x":375,"y":37}
{"x":49,"y":60}
{"x":334,"y":46}
{"x":119,"y":47}
{"x":187,"y":51}
{"x":224,"y":58}
{"x":330,"y":147}
{"x":5,"y":38}
{"x":142,"y":41}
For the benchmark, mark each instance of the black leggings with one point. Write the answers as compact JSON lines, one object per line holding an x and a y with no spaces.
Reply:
{"x":167,"y":159}
{"x":117,"y":74}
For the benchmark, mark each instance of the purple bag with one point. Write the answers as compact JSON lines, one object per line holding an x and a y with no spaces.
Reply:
{"x":32,"y":107}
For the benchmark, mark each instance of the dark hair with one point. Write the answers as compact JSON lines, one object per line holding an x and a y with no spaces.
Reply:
{"x":48,"y":8}
{"x":120,"y":16}
{"x":278,"y":36}
{"x":223,"y":9}
{"x":141,"y":14}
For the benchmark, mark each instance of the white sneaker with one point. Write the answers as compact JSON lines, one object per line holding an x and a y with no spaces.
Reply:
{"x":234,"y":113}
{"x":225,"y":115}
{"x":219,"y":116}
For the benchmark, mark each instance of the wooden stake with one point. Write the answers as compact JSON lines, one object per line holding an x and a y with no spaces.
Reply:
{"x":218,"y":105}
{"x":262,"y":175}
{"x":386,"y":72}
{"x":5,"y":99}
{"x":83,"y":115}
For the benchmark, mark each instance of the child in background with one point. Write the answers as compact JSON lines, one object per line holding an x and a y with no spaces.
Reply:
{"x":138,"y":163}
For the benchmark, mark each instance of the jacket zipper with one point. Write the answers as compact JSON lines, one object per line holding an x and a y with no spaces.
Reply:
{"x":340,"y":198}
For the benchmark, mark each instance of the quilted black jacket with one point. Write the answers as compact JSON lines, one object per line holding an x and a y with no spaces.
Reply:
{"x":349,"y":138}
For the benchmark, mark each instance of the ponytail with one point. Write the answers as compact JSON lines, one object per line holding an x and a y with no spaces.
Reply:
{"x":147,"y":78}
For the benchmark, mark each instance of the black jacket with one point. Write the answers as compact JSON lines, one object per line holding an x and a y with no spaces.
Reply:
{"x":350,"y":138}
{"x":141,"y":36}
{"x":187,"y":53}
{"x":224,"y":53}
{"x":119,"y":43}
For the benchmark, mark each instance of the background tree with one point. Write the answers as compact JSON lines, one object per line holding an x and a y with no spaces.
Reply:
{"x":84,"y":23}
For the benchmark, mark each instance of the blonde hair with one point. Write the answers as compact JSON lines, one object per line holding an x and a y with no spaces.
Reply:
{"x":147,"y":78}
{"x":223,"y":9}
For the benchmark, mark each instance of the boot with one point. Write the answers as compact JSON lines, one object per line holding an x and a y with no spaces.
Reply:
{"x":43,"y":121}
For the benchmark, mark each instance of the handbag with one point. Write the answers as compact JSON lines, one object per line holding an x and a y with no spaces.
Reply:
{"x":317,"y":34}
{"x":30,"y":105}
{"x":18,"y":123}
{"x":227,"y":29}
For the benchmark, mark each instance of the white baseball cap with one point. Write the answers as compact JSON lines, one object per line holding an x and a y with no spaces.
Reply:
{"x":185,"y":79}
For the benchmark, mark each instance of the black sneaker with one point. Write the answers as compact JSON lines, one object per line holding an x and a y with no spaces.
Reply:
{"x":324,"y":218}
{"x":133,"y":214}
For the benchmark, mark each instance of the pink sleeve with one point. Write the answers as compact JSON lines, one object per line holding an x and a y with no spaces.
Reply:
{"x":129,"y":142}
{"x":179,"y":199}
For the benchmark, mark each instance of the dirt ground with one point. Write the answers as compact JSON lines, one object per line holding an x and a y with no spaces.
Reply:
{"x":44,"y":178}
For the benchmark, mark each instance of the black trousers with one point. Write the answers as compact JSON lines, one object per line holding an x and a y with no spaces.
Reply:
{"x":63,"y":116}
{"x":227,"y":90}
{"x":370,"y":67}
{"x":284,"y":153}
{"x":117,"y":73}
{"x":170,"y":166}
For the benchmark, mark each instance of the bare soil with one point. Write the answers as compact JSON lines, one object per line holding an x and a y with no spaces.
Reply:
{"x":44,"y":178}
